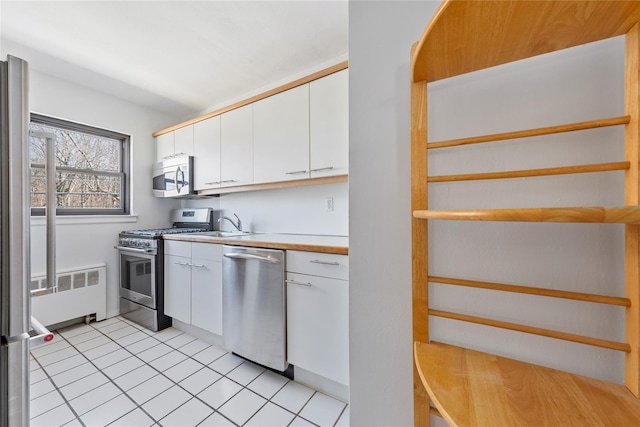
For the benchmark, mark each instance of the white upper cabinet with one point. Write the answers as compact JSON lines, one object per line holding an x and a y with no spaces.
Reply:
{"x":174,"y":143}
{"x":281,"y":136}
{"x":184,"y":140}
{"x":165,"y":146}
{"x":329,"y":125}
{"x":297,"y":134}
{"x":206,"y":151}
{"x":237,"y":147}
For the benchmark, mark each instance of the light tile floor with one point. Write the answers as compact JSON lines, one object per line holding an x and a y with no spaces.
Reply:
{"x":116,"y":373}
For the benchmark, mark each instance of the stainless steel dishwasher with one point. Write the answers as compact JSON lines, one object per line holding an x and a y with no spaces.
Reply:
{"x":254,"y":305}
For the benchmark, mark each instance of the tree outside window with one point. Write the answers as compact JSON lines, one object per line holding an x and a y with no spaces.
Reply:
{"x":92,"y":168}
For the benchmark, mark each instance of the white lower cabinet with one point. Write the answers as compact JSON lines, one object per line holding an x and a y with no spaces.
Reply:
{"x":318,"y":314}
{"x":193,"y":284}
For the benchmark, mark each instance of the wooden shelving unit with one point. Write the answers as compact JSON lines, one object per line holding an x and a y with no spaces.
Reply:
{"x":467,"y":387}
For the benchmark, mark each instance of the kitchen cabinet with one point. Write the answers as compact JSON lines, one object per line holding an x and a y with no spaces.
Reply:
{"x":165,"y":146}
{"x":281,"y":136}
{"x":183,"y":140}
{"x":177,"y":281}
{"x":329,"y":125}
{"x":193,"y":284}
{"x":174,"y":143}
{"x":236,"y":155}
{"x":318,"y":313}
{"x":206,"y":152}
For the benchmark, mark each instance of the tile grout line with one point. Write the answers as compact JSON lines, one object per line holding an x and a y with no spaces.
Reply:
{"x":55,"y":386}
{"x":216,"y":410}
{"x":173,"y":382}
{"x":108,"y":378}
{"x":296,"y":414}
{"x":161,"y":373}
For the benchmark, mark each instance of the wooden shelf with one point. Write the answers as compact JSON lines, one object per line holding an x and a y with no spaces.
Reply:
{"x":596,"y":214}
{"x":466,"y":36}
{"x":470,"y":388}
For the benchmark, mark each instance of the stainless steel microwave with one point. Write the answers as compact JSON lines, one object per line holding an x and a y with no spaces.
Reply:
{"x":173,"y":177}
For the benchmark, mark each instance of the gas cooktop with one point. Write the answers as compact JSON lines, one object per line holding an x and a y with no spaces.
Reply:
{"x":154,"y":232}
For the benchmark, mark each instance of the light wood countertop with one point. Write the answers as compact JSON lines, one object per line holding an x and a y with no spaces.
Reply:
{"x":299,"y":242}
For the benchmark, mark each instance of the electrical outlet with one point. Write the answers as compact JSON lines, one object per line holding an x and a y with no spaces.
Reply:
{"x":328,"y":203}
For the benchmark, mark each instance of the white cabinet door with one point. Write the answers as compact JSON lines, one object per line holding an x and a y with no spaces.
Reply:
{"x":206,"y":295}
{"x":184,"y":140}
{"x":177,"y":287}
{"x":329,"y":125}
{"x":164,"y":146}
{"x":206,"y":287}
{"x":318,"y":325}
{"x":237,"y":147}
{"x":206,"y":152}
{"x":281,"y":136}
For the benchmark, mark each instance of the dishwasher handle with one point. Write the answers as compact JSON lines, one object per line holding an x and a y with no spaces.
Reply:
{"x":247,"y":256}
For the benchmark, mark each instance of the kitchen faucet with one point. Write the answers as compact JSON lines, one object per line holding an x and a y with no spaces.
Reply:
{"x":238,"y":226}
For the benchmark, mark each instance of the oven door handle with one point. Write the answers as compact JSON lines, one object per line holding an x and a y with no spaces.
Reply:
{"x":143,"y":251}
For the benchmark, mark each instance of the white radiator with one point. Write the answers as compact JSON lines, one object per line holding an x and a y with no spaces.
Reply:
{"x":79,"y":292}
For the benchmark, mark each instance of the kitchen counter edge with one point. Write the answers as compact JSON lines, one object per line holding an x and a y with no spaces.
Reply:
{"x":297,"y":242}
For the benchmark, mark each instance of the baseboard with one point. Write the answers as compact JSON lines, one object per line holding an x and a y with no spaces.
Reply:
{"x":325,"y":385}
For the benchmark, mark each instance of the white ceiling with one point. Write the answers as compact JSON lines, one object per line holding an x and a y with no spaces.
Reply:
{"x":179,"y":57}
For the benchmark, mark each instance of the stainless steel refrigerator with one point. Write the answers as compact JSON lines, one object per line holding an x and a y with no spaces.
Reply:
{"x":15,"y":316}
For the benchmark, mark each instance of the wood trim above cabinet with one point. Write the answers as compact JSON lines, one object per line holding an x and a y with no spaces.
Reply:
{"x":303,"y":80}
{"x":273,"y":185}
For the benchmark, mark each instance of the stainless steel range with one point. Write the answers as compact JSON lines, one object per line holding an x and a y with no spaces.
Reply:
{"x":142,"y":266}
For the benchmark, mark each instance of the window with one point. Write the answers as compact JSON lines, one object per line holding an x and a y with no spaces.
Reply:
{"x":92,"y":168}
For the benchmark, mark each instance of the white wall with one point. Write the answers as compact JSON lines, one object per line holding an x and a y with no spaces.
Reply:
{"x":380,"y":39}
{"x":90,"y":241}
{"x":581,"y":84}
{"x":298,"y":210}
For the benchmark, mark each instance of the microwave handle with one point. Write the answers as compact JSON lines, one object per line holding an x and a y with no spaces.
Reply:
{"x":178,"y":187}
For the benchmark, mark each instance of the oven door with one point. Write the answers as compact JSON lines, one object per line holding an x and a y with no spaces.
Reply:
{"x":138,"y":276}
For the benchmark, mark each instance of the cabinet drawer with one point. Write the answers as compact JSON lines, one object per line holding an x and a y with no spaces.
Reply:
{"x":206,"y":251}
{"x":174,"y":247}
{"x":318,"y":264}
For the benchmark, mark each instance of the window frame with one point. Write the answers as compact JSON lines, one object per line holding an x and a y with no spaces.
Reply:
{"x":125,"y":167}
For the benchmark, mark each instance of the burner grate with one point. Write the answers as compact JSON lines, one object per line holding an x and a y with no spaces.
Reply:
{"x":160,"y":231}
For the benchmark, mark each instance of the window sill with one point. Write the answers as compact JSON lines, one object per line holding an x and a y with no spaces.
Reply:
{"x":85,"y":219}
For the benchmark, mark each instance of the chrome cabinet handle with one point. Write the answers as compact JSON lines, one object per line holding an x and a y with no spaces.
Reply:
{"x":293,"y":282}
{"x":317,"y":261}
{"x":225,"y":181}
{"x":213,"y":182}
{"x":181,"y":263}
{"x":197,"y":265}
{"x":328,"y":168}
{"x":296,"y":172}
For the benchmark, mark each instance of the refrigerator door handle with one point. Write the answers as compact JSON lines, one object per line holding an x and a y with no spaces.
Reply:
{"x":43,"y":334}
{"x":20,"y":337}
